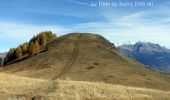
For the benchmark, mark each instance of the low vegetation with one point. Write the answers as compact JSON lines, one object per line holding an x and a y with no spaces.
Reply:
{"x":80,"y":90}
{"x":87,"y":57}
{"x":90,"y":66}
{"x":14,"y":87}
{"x":35,"y":45}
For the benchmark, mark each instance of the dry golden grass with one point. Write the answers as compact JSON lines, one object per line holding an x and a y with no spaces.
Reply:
{"x":82,"y":58}
{"x":79,"y":90}
{"x":20,"y":88}
{"x":88,"y":58}
{"x":12,"y":86}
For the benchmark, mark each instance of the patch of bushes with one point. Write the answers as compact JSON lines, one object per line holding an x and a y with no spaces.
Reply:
{"x":36,"y":44}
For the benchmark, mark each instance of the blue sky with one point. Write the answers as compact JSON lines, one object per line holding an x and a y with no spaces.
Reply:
{"x":21,"y":19}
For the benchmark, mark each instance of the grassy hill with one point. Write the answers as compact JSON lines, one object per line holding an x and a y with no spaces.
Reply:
{"x":14,"y":87}
{"x":88,"y":57}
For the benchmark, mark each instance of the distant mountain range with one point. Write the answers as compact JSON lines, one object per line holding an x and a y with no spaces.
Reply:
{"x":147,"y":53}
{"x":2,"y":55}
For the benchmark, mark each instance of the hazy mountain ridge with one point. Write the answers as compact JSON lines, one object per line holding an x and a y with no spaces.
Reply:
{"x":147,"y":53}
{"x":2,"y":55}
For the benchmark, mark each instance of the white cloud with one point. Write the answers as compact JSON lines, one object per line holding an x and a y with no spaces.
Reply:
{"x":24,"y":31}
{"x":79,"y":2}
{"x":119,"y":28}
{"x":13,"y":33}
{"x":136,"y":26}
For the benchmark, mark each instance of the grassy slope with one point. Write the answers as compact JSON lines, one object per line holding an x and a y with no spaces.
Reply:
{"x":14,"y":87}
{"x":88,"y":57}
{"x":101,"y":91}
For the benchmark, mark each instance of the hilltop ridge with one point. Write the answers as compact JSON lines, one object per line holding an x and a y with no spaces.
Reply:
{"x":88,"y":57}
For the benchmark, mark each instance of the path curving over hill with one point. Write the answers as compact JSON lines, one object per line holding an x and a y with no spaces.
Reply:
{"x":88,"y":57}
{"x":72,"y":59}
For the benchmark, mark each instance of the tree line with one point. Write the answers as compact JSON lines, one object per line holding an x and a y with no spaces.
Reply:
{"x":36,"y":44}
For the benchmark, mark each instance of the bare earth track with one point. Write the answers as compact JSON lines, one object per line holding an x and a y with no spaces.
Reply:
{"x":71,"y":61}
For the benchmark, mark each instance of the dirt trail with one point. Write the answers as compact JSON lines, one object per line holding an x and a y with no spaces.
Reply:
{"x":71,"y":61}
